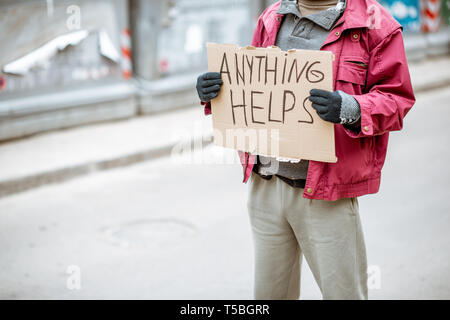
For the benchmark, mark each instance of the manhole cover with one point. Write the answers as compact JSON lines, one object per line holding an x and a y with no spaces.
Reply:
{"x":149,"y":232}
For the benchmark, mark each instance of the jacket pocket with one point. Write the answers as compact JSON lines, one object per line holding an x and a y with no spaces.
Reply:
{"x":351,"y":74}
{"x":352,"y":69}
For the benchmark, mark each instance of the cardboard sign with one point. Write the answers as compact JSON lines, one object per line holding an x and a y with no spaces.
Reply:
{"x":263,"y":105}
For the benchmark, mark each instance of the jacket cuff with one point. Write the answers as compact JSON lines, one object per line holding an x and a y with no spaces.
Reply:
{"x":207,"y":107}
{"x":350,"y":110}
{"x":366,"y":128}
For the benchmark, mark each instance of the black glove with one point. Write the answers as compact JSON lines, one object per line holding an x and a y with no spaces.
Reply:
{"x":208,"y":86}
{"x":327,"y":104}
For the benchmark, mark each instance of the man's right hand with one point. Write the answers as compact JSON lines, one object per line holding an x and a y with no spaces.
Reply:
{"x":208,"y":86}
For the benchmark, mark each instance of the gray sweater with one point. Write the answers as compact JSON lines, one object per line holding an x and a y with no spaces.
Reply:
{"x":302,"y":32}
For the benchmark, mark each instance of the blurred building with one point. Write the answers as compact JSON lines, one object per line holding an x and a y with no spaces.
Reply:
{"x":169,"y":45}
{"x":65,"y":63}
{"x":61,"y":65}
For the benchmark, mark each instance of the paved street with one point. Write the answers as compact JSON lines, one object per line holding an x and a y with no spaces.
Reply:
{"x":162,"y":230}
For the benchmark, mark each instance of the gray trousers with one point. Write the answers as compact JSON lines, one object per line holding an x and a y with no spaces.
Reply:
{"x":287,"y":227}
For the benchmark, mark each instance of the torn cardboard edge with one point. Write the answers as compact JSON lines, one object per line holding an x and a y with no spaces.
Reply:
{"x":275,"y":48}
{"x":268,"y":89}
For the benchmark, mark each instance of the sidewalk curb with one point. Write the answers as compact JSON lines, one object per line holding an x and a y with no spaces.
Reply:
{"x":439,"y":83}
{"x":21,"y":184}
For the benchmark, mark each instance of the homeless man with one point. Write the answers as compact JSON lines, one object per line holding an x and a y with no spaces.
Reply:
{"x":310,"y":209}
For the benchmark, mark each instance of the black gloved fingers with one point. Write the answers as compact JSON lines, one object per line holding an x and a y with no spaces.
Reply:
{"x":320,"y":109}
{"x":320,"y":93}
{"x":215,"y":88}
{"x":211,"y":76}
{"x":210,"y":96}
{"x":209,"y":83}
{"x":323,"y":116}
{"x":327,"y":104}
{"x":319,"y":100}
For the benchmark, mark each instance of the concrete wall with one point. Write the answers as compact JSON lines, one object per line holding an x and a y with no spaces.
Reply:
{"x":76,"y":86}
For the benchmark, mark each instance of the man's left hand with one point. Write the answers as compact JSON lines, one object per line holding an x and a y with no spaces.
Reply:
{"x":327,"y":104}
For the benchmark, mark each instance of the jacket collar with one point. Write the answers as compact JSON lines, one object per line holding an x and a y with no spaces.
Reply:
{"x":354,"y":16}
{"x":326,"y":18}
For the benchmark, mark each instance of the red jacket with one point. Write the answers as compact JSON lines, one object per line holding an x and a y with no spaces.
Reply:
{"x":379,"y":80}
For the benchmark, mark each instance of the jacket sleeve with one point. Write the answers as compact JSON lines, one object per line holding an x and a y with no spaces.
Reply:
{"x":258,"y":34}
{"x":207,"y":106}
{"x":390,"y":95}
{"x":256,"y":42}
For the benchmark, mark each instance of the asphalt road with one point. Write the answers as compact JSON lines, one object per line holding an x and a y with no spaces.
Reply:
{"x":165,"y":230}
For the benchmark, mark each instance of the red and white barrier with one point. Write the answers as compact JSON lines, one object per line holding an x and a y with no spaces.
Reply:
{"x":125,"y":48}
{"x":430,"y":15}
{"x":2,"y":82}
